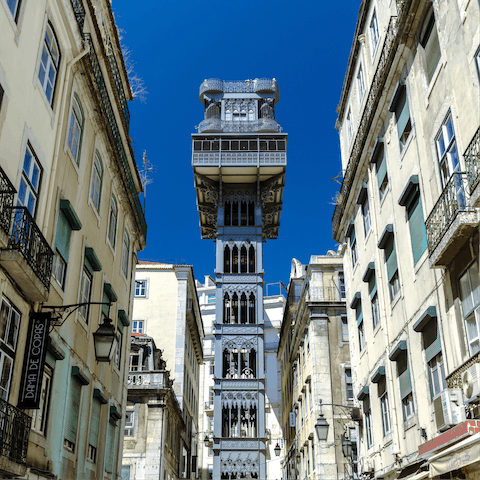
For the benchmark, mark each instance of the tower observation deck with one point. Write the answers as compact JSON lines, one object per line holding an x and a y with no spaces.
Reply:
{"x":239,"y":157}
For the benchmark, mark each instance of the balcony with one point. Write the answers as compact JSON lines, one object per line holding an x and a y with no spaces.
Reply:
{"x":325,"y":294}
{"x":262,"y":125}
{"x":258,"y":85}
{"x":7,"y":192}
{"x":79,"y":11}
{"x":451,"y":222}
{"x":472,"y":164}
{"x":147,"y":380}
{"x":28,"y":257}
{"x":14,"y":433}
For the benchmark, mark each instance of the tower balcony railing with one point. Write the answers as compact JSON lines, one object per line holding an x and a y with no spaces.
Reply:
{"x":114,"y":130}
{"x":449,"y":220}
{"x":392,"y":39}
{"x":7,"y":193}
{"x":472,"y":162}
{"x":27,"y":238}
{"x":215,"y":85}
{"x":14,"y":432}
{"x":267,"y":125}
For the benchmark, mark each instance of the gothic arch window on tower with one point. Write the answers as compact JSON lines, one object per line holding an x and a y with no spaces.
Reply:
{"x":226,"y":309}
{"x":234,"y":262}
{"x":239,"y":213}
{"x":243,"y":259}
{"x":251,"y":259}
{"x":239,"y":363}
{"x":239,"y":422}
{"x":239,"y":310}
{"x":232,"y":259}
{"x":251,"y":309}
{"x":226,"y":259}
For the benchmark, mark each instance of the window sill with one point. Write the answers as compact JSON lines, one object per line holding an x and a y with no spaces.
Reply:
{"x":403,"y":151}
{"x":13,"y":24}
{"x":409,"y":423}
{"x":90,"y":202}
{"x":396,"y":299}
{"x":69,"y":154}
{"x":37,"y":85}
{"x":423,"y":258}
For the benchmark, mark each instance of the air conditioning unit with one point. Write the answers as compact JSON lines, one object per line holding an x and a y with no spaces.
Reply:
{"x":471,"y":383}
{"x":449,"y":408}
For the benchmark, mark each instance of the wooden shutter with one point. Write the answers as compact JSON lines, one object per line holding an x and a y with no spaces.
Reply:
{"x":431,"y":340}
{"x":62,"y":237}
{"x":391,"y":258}
{"x":110,"y":448}
{"x":418,"y":232}
{"x":381,"y":168}
{"x":95,"y":422}
{"x":105,"y":308}
{"x":372,"y":285}
{"x":359,"y":314}
{"x":402,"y":113}
{"x":71,"y":423}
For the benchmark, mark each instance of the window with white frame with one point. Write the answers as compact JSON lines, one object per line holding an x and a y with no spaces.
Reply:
{"x":9,"y":326}
{"x":399,"y":106}
{"x":365,"y":206}
{"x":380,"y":161}
{"x":97,"y":180}
{"x":404,"y":381}
{"x":470,"y":298}
{"x":360,"y":84}
{"x":341,"y":284}
{"x":125,"y":253}
{"x":344,"y":332}
{"x":367,"y":410}
{"x":49,"y":63}
{"x":374,"y":32}
{"x":353,"y":243}
{"x":85,"y":291}
{"x":348,"y":384}
{"x":30,"y":182}
{"x":118,"y":349}
{"x":129,"y":420}
{"x":387,"y":243}
{"x":40,"y":415}
{"x":113,"y":221}
{"x":384,"y":405}
{"x":437,"y":375}
{"x":14,"y":6}
{"x":431,"y":45}
{"x":138,"y":326}
{"x":75,"y":128}
{"x":140,"y":288}
{"x":447,"y":153}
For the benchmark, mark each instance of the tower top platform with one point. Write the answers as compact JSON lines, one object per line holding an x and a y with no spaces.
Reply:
{"x":259,"y":86}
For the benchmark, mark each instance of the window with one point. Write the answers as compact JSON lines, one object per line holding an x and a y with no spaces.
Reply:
{"x":368,"y":421}
{"x":49,"y":62}
{"x":366,"y":216}
{"x":344,"y":320}
{"x":361,"y":336}
{"x":125,"y":253}
{"x":313,"y":455}
{"x":477,"y":61}
{"x":14,"y":6}
{"x":412,"y":200}
{"x":341,"y":284}
{"x":40,"y":416}
{"x":353,"y":243}
{"x":9,"y":326}
{"x":112,"y":222}
{"x":387,"y":243}
{"x":371,"y":278}
{"x":357,"y":305}
{"x":75,"y":128}
{"x":348,"y":384}
{"x":384,"y":406}
{"x":349,"y":126}
{"x":138,"y":326}
{"x":118,"y":349}
{"x":360,"y":84}
{"x":6,"y":368}
{"x":447,"y":153}
{"x":211,"y":298}
{"x":73,"y":408}
{"x":399,"y":106}
{"x":378,"y":157}
{"x":212,"y":367}
{"x":125,"y":474}
{"x":129,"y":421}
{"x":30,"y":182}
{"x":62,"y":248}
{"x":97,"y":179}
{"x":211,"y":395}
{"x":374,"y":32}
{"x":429,"y":42}
{"x":400,"y":356}
{"x":437,"y":375}
{"x":94,"y":430}
{"x":110,"y":446}
{"x":470,"y":297}
{"x":140,"y":288}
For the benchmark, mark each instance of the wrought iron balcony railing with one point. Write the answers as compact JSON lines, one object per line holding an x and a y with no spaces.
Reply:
{"x":28,"y":239}
{"x":392,"y":39}
{"x":452,"y":201}
{"x":241,"y":86}
{"x":14,"y":432}
{"x":325,"y":294}
{"x":472,"y":161}
{"x":114,"y":130}
{"x":7,"y":192}
{"x":79,"y":11}
{"x":260,"y":125}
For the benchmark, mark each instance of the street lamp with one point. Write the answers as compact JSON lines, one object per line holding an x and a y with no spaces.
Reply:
{"x":277,"y":450}
{"x":321,"y":427}
{"x":347,"y":447}
{"x":206,"y":441}
{"x":105,"y":341}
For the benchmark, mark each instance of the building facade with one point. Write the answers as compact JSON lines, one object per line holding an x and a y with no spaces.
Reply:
{"x":166,"y":308}
{"x":239,"y":162}
{"x":70,"y":227}
{"x":408,"y":120}
{"x":315,"y":360}
{"x":154,"y":423}
{"x":273,"y":314}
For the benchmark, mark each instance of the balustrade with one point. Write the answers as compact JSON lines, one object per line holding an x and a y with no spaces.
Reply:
{"x":7,"y":193}
{"x":14,"y":432}
{"x":472,"y":161}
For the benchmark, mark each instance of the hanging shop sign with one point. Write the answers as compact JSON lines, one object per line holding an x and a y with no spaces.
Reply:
{"x":34,"y":360}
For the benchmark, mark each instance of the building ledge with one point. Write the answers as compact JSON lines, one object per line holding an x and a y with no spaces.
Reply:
{"x":11,"y":468}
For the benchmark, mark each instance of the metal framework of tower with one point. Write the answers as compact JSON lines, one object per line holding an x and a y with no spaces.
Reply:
{"x":239,"y":160}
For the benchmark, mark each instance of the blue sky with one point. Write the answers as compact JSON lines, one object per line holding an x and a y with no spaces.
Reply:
{"x":175,"y":45}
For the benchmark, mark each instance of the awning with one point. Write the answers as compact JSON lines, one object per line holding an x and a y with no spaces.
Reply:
{"x":460,"y":455}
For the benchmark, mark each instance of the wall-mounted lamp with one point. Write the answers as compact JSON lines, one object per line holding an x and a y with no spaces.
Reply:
{"x":105,"y":341}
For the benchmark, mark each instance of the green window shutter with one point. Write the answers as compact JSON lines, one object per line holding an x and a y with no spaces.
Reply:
{"x":372,"y":285}
{"x":418,"y":232}
{"x":431,"y":340}
{"x":402,"y":113}
{"x":391,"y":258}
{"x":95,"y":422}
{"x":381,"y":169}
{"x":405,"y":383}
{"x":105,"y":308}
{"x":359,"y":314}
{"x":432,"y":53}
{"x":88,"y":266}
{"x":62,"y":237}
{"x":110,"y":448}
{"x":73,"y":408}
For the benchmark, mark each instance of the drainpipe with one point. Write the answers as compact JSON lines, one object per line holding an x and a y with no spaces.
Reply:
{"x":62,"y":111}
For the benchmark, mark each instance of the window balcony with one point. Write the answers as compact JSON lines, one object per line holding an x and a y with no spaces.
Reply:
{"x":259,"y":85}
{"x":147,"y":380}
{"x":7,"y":192}
{"x":14,"y":433}
{"x":28,"y":257}
{"x":472,"y":165}
{"x":451,"y":222}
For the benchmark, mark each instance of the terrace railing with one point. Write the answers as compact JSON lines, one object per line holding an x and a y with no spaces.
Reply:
{"x":14,"y":432}
{"x":7,"y":193}
{"x":472,"y":161}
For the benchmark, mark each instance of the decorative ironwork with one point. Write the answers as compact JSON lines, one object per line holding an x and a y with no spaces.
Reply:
{"x":114,"y":130}
{"x":241,"y":86}
{"x":14,"y":432}
{"x":392,"y":40}
{"x":472,"y":161}
{"x":452,"y":201}
{"x":57,"y":320}
{"x":79,"y":11}
{"x":27,"y":237}
{"x":454,"y":380}
{"x":7,"y":192}
{"x":240,"y":463}
{"x":260,"y":125}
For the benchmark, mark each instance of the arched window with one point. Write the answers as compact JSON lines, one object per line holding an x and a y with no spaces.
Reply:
{"x":235,"y":259}
{"x":226,"y":309}
{"x":235,"y":308}
{"x":112,"y":222}
{"x":243,"y":259}
{"x":49,"y":63}
{"x":226,"y":259}
{"x":97,"y":180}
{"x":243,"y":308}
{"x":251,"y":259}
{"x":251,"y":309}
{"x":75,"y":128}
